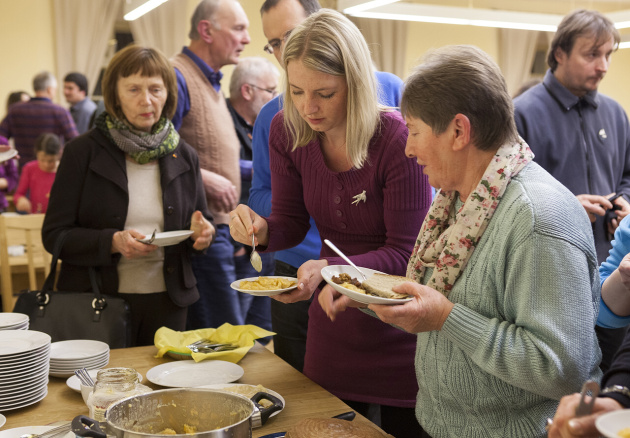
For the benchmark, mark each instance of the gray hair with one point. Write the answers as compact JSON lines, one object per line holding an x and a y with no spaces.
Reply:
{"x":577,"y":24}
{"x":461,"y":80}
{"x":249,"y":69}
{"x":205,"y":10}
{"x":43,"y":80}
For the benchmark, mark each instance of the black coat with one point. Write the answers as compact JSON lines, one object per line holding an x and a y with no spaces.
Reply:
{"x":90,"y":197}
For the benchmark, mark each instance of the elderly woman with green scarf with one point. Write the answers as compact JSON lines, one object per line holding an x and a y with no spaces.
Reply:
{"x":503,"y":275}
{"x":120,"y":181}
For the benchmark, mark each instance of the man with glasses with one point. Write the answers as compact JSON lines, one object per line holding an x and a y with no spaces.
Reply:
{"x":254,"y":82}
{"x":290,"y":321}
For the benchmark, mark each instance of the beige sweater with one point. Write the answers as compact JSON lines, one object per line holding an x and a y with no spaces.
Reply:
{"x":208,"y":128}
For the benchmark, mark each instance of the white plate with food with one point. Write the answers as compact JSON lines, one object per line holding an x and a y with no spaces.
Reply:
{"x":248,"y":391}
{"x":615,"y":424}
{"x":167,"y":238}
{"x":380,"y":283}
{"x":190,"y":374}
{"x":265,"y":286}
{"x":7,"y":155}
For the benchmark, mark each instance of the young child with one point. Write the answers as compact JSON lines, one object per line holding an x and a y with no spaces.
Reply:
{"x":37,"y":177}
{"x":8,"y":175}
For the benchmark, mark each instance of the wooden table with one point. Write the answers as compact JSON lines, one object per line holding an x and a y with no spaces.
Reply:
{"x":303,"y":397}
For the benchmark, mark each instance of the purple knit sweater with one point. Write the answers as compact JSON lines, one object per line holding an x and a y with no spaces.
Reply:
{"x":357,"y":357}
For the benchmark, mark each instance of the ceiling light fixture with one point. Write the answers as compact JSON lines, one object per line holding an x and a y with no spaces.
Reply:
{"x":141,"y":9}
{"x":397,"y":10}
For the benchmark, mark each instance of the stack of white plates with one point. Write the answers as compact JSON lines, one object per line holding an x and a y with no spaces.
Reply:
{"x":13,"y":321}
{"x":67,"y":356}
{"x":24,"y":359}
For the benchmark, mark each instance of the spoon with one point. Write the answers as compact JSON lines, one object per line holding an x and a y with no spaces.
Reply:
{"x":343,"y":256}
{"x":255,"y":259}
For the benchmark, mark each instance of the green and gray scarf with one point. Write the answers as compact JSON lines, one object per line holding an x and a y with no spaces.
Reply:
{"x":139,"y":145}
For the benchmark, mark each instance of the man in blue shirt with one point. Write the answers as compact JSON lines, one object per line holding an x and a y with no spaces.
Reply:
{"x":579,"y":136}
{"x":290,"y":321}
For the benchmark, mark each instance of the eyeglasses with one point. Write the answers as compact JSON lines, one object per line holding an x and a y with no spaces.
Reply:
{"x":274,"y":93}
{"x":274,"y":45}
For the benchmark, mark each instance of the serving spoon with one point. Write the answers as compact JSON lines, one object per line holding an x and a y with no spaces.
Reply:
{"x":255,"y":259}
{"x":343,"y":256}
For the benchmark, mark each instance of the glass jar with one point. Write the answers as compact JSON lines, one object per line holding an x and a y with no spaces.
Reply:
{"x":113,"y":384}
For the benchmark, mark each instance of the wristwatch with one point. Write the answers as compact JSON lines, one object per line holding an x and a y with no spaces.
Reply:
{"x":616,"y":389}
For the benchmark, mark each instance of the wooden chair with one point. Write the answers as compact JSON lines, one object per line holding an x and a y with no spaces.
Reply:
{"x":23,"y":230}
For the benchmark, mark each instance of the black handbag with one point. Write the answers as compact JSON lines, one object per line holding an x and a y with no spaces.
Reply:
{"x":76,"y":315}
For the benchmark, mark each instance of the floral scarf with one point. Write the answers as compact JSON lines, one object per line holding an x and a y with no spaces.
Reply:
{"x":139,"y":145}
{"x":446,"y":243}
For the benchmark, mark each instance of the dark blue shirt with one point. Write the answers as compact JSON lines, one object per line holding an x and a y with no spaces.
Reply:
{"x":583,"y":142}
{"x":183,"y":98}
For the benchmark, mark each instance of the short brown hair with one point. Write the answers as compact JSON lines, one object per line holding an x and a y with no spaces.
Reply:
{"x":577,"y":24}
{"x":144,"y":61}
{"x":461,"y":80}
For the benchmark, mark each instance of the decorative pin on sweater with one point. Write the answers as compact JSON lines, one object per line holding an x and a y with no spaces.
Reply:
{"x":360,"y":197}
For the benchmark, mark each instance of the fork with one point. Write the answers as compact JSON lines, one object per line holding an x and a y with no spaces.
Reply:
{"x":49,"y":433}
{"x":584,"y":407}
{"x":151,"y":239}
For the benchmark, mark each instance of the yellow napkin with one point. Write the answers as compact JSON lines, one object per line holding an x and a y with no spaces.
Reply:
{"x":241,"y":335}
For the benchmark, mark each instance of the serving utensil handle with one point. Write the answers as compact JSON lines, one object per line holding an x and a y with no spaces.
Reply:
{"x":343,"y":256}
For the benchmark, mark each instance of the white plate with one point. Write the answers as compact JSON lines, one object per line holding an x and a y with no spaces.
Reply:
{"x":611,"y":423}
{"x":18,"y":431}
{"x":7,"y":155}
{"x":167,"y":238}
{"x":74,"y":383}
{"x":188,"y":373}
{"x":264,"y":293}
{"x":14,"y":342}
{"x":71,"y":366}
{"x":10,"y":319}
{"x":26,"y":402}
{"x":3,"y":420}
{"x":330,"y":271}
{"x":268,"y":391}
{"x":77,"y":349}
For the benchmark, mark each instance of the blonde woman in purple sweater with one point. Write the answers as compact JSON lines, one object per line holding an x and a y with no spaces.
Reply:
{"x":338,"y":156}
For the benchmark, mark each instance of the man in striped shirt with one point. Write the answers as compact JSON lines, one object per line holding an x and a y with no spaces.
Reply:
{"x":25,"y":121}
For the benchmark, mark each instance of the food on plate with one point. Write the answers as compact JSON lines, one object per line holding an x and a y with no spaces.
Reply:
{"x":249,"y":391}
{"x":379,"y":285}
{"x":624,"y":433}
{"x":333,"y":427}
{"x":345,"y":280}
{"x":266,"y":283}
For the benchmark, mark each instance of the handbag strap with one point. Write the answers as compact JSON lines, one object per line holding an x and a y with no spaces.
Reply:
{"x":52,"y":276}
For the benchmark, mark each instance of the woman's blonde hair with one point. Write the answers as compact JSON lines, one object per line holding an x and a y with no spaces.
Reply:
{"x":329,"y":43}
{"x":144,"y":61}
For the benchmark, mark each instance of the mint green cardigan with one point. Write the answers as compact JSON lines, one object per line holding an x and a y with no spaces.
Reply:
{"x":521,"y":334}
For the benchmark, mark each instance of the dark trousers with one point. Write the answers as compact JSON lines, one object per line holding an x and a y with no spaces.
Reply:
{"x":218,"y":303}
{"x":255,"y":310}
{"x":609,"y":342}
{"x":289,"y":322}
{"x":149,"y":312}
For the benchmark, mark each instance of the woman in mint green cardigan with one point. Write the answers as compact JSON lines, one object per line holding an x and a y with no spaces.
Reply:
{"x":503,"y":274}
